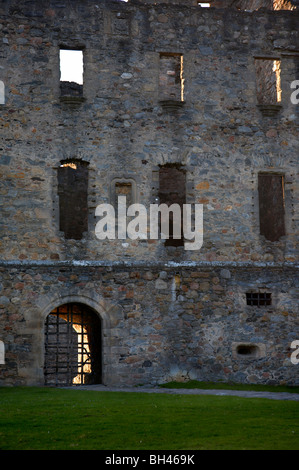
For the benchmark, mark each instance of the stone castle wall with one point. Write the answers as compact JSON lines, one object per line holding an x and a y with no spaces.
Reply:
{"x":166,"y":312}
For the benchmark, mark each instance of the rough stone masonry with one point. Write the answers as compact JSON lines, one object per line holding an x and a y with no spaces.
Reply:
{"x":179,"y":103}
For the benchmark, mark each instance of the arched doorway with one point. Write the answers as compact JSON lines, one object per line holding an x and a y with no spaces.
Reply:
{"x":73,"y":349}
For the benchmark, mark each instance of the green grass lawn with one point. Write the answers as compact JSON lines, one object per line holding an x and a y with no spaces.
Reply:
{"x":63,"y":419}
{"x":231,"y":386}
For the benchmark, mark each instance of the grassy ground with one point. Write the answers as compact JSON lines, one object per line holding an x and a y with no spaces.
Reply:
{"x":231,"y":386}
{"x":48,"y":419}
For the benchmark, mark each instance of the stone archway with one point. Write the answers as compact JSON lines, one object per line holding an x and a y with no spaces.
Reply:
{"x":72,"y":346}
{"x":109,"y":314}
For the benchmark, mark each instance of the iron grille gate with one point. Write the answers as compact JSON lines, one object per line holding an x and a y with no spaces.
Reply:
{"x":72,"y":346}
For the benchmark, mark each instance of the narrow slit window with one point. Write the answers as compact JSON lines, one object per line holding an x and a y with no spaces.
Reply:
{"x":171,"y":81}
{"x":172,"y":191}
{"x":271,"y":206}
{"x":258,"y":299}
{"x":268,"y":81}
{"x":71,"y":72}
{"x":72,"y":191}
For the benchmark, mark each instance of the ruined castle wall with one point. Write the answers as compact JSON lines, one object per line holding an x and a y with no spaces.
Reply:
{"x":158,"y":324}
{"x":218,"y":133}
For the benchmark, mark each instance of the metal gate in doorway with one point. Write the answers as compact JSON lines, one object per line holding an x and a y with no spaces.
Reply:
{"x":72,"y":346}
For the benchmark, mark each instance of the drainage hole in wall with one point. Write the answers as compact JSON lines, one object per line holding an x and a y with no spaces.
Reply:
{"x":247,"y":350}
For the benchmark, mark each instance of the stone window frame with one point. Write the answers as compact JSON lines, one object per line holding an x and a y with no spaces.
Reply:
{"x":70,"y":99}
{"x":289,"y":187}
{"x":125,"y":179}
{"x":259,"y":289}
{"x":258,"y":350}
{"x":55,"y":197}
{"x":169,"y":104}
{"x":120,"y":21}
{"x":265,"y":296}
{"x":122,"y":179}
{"x":82,"y":164}
{"x":189,"y":184}
{"x":255,"y":309}
{"x":267,"y":109}
{"x":255,"y":287}
{"x":282,"y":175}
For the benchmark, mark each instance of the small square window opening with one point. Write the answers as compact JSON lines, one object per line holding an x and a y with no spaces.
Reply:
{"x":258,"y":299}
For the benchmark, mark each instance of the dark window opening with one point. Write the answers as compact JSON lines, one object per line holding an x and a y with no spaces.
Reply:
{"x":247,"y":350}
{"x":73,"y":191}
{"x":258,"y":298}
{"x":72,"y":346}
{"x":271,"y":206}
{"x":172,"y":190}
{"x":71,"y":73}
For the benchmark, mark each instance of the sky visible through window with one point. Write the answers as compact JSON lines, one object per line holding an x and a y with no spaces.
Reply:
{"x":71,"y":61}
{"x":71,"y":66}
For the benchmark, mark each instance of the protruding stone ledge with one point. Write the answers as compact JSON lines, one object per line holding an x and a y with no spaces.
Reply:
{"x":150,"y":264}
{"x":269,"y":110}
{"x":171,"y":105}
{"x":71,"y":93}
{"x":72,"y":99}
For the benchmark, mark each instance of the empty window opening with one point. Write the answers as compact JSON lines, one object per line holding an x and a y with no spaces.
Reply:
{"x":268,"y":81}
{"x":2,"y":92}
{"x":71,"y":72}
{"x":258,"y":298}
{"x":172,"y":190}
{"x":271,"y":205}
{"x":171,"y":81}
{"x":72,"y":346}
{"x":203,"y":4}
{"x":250,"y":350}
{"x":283,"y":5}
{"x":73,"y":204}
